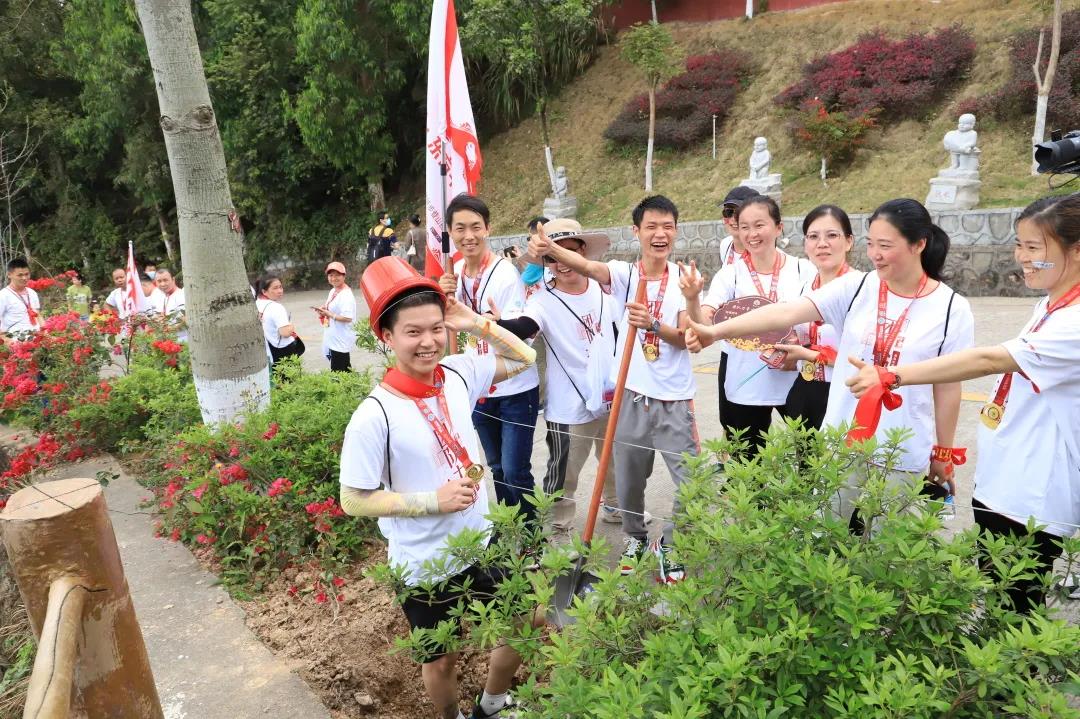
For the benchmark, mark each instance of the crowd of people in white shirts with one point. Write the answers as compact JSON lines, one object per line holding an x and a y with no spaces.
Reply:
{"x":872,"y":351}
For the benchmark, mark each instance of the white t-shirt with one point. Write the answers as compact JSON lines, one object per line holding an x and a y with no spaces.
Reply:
{"x":116,"y":301}
{"x":728,"y":255}
{"x":274,"y":316}
{"x":417,"y":461}
{"x":1030,"y":465}
{"x":827,"y":335}
{"x":568,"y":345}
{"x":14,"y":315}
{"x":670,"y":376}
{"x":339,"y":336}
{"x":169,"y":306}
{"x":500,"y":282}
{"x":769,"y":387}
{"x":923,"y":337}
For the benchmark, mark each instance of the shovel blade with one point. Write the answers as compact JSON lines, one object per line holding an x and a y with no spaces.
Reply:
{"x":571,"y":584}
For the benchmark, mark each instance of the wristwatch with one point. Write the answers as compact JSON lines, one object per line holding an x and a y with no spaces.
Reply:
{"x":655,"y":326}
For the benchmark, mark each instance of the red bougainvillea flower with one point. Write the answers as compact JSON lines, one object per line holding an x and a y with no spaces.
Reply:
{"x":292,"y":590}
{"x":199,"y":491}
{"x":341,"y":598}
{"x":281,"y":485}
{"x":232,"y":473}
{"x":272,"y":431}
{"x":175,"y":535}
{"x":320,"y":598}
{"x":204,"y":539}
{"x":338,"y":582}
{"x":168,"y":347}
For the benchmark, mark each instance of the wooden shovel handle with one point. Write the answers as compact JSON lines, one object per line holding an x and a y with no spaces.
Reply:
{"x":613,"y":421}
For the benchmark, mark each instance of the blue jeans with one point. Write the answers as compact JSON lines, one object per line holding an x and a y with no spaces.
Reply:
{"x":508,"y":445}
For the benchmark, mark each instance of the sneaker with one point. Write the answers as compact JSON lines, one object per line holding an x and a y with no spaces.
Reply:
{"x":633,"y":550}
{"x":670,"y":570}
{"x":509,"y":710}
{"x":613,"y":515}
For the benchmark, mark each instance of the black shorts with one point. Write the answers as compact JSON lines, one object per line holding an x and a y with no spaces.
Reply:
{"x":426,"y":611}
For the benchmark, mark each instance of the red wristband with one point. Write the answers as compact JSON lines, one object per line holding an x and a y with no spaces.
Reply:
{"x":950,"y":455}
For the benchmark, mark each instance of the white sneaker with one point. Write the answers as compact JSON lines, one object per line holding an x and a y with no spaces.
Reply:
{"x":613,"y":515}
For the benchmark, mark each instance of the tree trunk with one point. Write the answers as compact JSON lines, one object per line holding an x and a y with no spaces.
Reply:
{"x":750,"y":8}
{"x":228,"y":350}
{"x":163,"y":225}
{"x":549,"y":156}
{"x":652,"y":130}
{"x":1044,"y":83}
{"x":375,"y":192}
{"x":653,"y":4}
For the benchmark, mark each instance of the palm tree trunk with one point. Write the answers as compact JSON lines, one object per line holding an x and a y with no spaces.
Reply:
{"x":228,"y":351}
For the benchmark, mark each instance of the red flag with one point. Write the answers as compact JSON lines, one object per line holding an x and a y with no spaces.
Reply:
{"x":134,"y":301}
{"x":451,"y":130}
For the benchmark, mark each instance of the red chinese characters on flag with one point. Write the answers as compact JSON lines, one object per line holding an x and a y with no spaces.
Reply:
{"x":453,"y":154}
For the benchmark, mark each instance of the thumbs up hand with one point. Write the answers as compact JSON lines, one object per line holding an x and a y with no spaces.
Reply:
{"x":866,"y":377}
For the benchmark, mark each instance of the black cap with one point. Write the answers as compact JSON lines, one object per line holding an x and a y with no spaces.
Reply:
{"x":739,"y":195}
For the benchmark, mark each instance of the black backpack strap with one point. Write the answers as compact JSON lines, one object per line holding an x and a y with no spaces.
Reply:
{"x":458,"y":374}
{"x":563,"y":367}
{"x":389,"y":476}
{"x":948,"y":316}
{"x":857,"y":291}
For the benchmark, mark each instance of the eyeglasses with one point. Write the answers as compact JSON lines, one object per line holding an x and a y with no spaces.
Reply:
{"x":815,"y":237}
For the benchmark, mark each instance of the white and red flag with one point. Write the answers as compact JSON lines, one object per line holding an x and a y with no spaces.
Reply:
{"x":451,"y":130}
{"x":133,"y":299}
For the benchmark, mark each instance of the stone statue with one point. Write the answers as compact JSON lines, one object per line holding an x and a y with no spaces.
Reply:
{"x":957,"y":186}
{"x":562,"y":182}
{"x":563,"y":204}
{"x":760,"y":160}
{"x":963,"y":154}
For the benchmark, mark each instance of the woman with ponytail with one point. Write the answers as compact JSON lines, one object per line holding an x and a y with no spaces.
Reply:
{"x":899,"y":312}
{"x":1029,"y":443}
{"x":281,"y":337}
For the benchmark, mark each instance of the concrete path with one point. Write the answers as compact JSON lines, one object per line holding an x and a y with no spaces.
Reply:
{"x":207,"y":664}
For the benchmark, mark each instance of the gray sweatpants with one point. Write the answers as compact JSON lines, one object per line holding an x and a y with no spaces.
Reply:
{"x":647,"y":425}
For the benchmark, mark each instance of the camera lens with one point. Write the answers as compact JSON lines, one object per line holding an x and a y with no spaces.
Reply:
{"x":1058,"y":154}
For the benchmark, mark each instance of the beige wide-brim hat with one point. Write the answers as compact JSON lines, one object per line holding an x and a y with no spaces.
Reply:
{"x":596,"y":243}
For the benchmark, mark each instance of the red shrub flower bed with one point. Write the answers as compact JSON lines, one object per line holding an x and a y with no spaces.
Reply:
{"x":686,"y":104}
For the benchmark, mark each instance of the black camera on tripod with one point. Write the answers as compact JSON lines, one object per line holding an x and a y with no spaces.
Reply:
{"x":1061,"y":155}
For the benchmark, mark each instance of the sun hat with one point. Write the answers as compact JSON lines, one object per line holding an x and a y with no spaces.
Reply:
{"x":386,"y":279}
{"x":336,"y":267}
{"x":596,"y":243}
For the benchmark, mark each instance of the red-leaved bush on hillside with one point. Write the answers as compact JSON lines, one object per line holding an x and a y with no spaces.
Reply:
{"x":1016,"y":99}
{"x":686,"y":104}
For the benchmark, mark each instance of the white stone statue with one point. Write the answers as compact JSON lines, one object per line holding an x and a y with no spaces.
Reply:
{"x":562,"y":182}
{"x":759,"y":160}
{"x":963,"y":154}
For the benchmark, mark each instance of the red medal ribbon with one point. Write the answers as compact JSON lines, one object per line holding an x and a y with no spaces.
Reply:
{"x":730,"y":254}
{"x":826,"y":355}
{"x":650,"y":337}
{"x":323,"y":320}
{"x":757,"y":280}
{"x":1001,"y":397}
{"x":868,"y":411}
{"x":418,"y":391}
{"x":31,"y":313}
{"x":883,"y":343}
{"x":474,"y":300}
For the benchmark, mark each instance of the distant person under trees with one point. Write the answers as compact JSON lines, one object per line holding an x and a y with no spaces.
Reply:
{"x":381,"y":239}
{"x":415,"y":245}
{"x":78,"y":296}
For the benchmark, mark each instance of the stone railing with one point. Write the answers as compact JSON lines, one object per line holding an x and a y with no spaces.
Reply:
{"x":980,"y":261}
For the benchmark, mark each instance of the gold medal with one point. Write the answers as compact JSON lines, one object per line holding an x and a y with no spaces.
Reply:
{"x":809,"y":371}
{"x":991,"y":414}
{"x":472,"y":340}
{"x":475,"y":472}
{"x":651,"y":352}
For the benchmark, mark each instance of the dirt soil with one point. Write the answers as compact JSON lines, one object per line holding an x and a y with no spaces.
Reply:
{"x":344,"y":650}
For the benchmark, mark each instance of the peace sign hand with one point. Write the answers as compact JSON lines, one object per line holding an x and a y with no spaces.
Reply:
{"x":690,"y":281}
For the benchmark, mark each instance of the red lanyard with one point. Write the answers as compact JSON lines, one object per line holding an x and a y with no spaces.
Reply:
{"x":31,"y":313}
{"x":757,"y":280}
{"x":333,"y":295}
{"x":815,"y":285}
{"x":1002,"y":394}
{"x":652,"y":338}
{"x":883,"y":343}
{"x":474,"y":300}
{"x":730,"y":253}
{"x":418,"y":391}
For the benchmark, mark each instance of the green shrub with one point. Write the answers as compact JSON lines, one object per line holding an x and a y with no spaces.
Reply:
{"x":784,"y":613}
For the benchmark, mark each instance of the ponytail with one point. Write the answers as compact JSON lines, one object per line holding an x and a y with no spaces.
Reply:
{"x":912,"y":221}
{"x":933,"y":255}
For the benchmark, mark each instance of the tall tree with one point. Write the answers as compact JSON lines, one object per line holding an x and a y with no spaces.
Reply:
{"x":650,"y":48}
{"x":525,"y":50}
{"x":228,"y":355}
{"x":1045,"y":82}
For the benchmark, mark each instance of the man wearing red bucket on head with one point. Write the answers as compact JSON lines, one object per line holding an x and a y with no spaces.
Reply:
{"x":410,"y":457}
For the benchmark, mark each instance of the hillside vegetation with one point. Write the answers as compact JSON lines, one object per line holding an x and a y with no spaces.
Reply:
{"x":896,"y":161}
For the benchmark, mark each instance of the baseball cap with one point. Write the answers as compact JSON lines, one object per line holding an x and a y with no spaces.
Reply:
{"x":738,"y":195}
{"x":336,"y":267}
